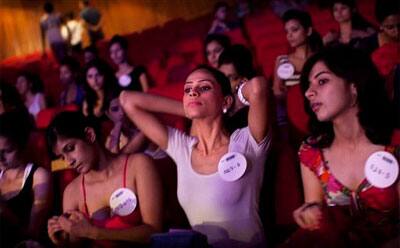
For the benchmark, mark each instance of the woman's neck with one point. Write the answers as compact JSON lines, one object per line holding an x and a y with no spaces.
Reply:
{"x":102,"y":165}
{"x":124,"y":67}
{"x":348,"y":130}
{"x":100,"y":94}
{"x":28,"y":97}
{"x":210,"y":134}
{"x":345,"y":31}
{"x":301,"y":52}
{"x":384,"y":39}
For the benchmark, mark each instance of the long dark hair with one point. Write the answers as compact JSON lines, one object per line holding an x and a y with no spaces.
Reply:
{"x":110,"y":83}
{"x":375,"y":114}
{"x":241,"y":58}
{"x":357,"y":21}
{"x":36,"y":84}
{"x":16,"y":127}
{"x":314,"y":40}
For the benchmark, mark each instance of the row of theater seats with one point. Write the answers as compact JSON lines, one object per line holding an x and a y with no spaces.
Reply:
{"x":170,"y":52}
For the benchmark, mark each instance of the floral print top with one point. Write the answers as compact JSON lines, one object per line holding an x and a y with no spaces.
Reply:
{"x":364,"y":197}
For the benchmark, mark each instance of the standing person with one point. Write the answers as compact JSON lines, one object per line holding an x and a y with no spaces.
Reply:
{"x":130,"y":77}
{"x":30,"y":88}
{"x":25,"y":188}
{"x":218,"y":203}
{"x":351,"y":196}
{"x":50,"y":27}
{"x":352,"y":26}
{"x":92,"y":20}
{"x":72,"y":32}
{"x":115,"y":201}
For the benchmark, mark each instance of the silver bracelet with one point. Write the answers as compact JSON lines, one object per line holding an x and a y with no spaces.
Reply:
{"x":240,"y":95}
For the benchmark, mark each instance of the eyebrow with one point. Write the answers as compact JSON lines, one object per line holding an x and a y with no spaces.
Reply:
{"x":200,"y":81}
{"x":322,"y":72}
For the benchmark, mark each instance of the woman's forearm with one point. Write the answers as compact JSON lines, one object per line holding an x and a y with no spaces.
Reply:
{"x":151,"y":103}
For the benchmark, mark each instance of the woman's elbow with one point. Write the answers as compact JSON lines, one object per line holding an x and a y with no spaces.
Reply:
{"x":259,"y":86}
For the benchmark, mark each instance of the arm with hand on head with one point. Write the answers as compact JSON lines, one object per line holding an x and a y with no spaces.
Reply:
{"x":255,"y":92}
{"x":139,"y":106}
{"x":308,"y":215}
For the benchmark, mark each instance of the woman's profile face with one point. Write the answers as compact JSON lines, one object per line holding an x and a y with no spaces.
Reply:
{"x":295,"y":33}
{"x":202,"y":95}
{"x":79,"y":154}
{"x":117,"y":53}
{"x":342,"y":12}
{"x":22,"y":85}
{"x":95,"y":79}
{"x":329,"y":96}
{"x":213,"y":50}
{"x":8,"y":154}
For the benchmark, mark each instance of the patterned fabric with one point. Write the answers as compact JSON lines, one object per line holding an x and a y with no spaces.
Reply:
{"x":336,"y":194}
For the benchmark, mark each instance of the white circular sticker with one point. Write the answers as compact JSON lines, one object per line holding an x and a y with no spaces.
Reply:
{"x":123,"y":202}
{"x":232,"y":166}
{"x":285,"y":70}
{"x":381,"y":169}
{"x":124,"y":80}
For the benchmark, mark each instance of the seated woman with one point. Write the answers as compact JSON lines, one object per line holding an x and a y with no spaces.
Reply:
{"x":387,"y":14}
{"x":124,"y":137}
{"x":99,"y":82}
{"x":73,"y":92}
{"x":236,"y":62}
{"x":30,"y":87}
{"x":129,"y":77}
{"x":352,"y":26}
{"x":214,"y":44}
{"x":90,"y":53}
{"x":351,"y":187}
{"x":304,"y":41}
{"x":25,"y":188}
{"x":115,"y":200}
{"x":219,"y":173}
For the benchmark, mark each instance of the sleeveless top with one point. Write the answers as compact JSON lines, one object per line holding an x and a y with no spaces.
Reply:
{"x":116,"y":221}
{"x":134,"y":75}
{"x":373,"y":211}
{"x":21,"y":206}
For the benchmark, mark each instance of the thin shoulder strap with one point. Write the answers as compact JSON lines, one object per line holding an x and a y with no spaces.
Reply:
{"x":125,"y":167}
{"x":27,"y":171}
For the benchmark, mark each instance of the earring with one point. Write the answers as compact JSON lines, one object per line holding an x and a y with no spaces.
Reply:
{"x":224,"y":110}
